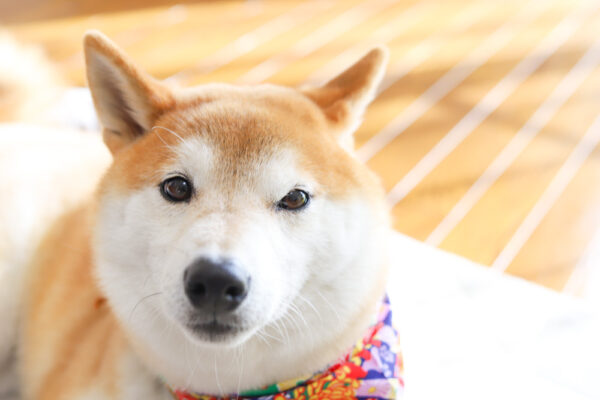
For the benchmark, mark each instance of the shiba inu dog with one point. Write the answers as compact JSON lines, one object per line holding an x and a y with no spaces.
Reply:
{"x":229,"y":241}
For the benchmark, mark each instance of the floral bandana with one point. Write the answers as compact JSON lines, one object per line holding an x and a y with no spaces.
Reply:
{"x":370,"y":371}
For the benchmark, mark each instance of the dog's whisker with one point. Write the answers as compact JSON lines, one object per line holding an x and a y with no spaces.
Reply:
{"x":292,"y":318}
{"x":146,"y":280}
{"x":191,"y":367}
{"x":311,"y":305}
{"x":284,"y":337}
{"x":169,"y":131}
{"x":162,"y":140}
{"x":218,"y":382}
{"x":297,"y":311}
{"x":181,"y":140}
{"x":285,"y":330}
{"x":289,"y":318}
{"x":262,"y":334}
{"x":333,"y":309}
{"x":241,"y":364}
{"x":308,"y":330}
{"x":141,"y":301}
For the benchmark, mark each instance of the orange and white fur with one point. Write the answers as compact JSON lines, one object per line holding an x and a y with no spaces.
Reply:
{"x":94,"y":256}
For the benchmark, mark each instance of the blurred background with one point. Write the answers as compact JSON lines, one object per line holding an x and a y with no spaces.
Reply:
{"x":485,"y":131}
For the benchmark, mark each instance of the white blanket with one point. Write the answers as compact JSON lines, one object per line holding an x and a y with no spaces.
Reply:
{"x":470,"y":333}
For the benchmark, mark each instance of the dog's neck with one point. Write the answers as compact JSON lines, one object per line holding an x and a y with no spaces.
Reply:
{"x":372,"y":366}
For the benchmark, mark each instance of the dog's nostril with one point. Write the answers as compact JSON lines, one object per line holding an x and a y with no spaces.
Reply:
{"x":234,"y":291}
{"x":215,"y":286}
{"x":198,"y":289}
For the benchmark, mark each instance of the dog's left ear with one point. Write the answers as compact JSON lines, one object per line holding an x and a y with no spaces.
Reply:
{"x":127,"y":100}
{"x":345,"y":98}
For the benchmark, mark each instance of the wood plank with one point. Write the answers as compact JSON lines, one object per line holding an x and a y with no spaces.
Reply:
{"x":552,"y":252}
{"x":434,"y":197}
{"x":512,"y":196}
{"x":18,"y":12}
{"x":448,"y":51}
{"x":276,"y":46}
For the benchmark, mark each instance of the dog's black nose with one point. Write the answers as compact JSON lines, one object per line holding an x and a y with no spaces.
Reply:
{"x":215,"y":286}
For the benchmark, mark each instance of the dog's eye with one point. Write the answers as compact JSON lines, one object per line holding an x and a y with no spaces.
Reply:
{"x":294,"y":200}
{"x":176,"y":189}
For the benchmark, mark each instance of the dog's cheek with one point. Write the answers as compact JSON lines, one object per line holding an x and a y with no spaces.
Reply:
{"x":168,"y":252}
{"x":342,"y":240}
{"x":113,"y":251}
{"x":124,"y":239}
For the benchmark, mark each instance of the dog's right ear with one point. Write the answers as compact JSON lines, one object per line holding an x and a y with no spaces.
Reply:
{"x":344,"y":99}
{"x":127,"y":100}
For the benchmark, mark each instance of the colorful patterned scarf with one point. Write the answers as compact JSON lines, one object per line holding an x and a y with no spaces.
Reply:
{"x":370,"y":371}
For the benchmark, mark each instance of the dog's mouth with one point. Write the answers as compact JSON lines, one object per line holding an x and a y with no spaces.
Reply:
{"x":214,"y":331}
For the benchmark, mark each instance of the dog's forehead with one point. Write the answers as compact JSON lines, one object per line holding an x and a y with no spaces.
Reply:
{"x":245,"y":142}
{"x":270,"y":174}
{"x":249,"y":118}
{"x":248,"y":127}
{"x":241,"y":132}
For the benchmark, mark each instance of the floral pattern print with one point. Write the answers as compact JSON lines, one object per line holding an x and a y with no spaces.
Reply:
{"x":370,"y":371}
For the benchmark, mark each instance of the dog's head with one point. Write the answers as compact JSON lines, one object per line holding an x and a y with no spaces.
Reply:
{"x":233,"y":216}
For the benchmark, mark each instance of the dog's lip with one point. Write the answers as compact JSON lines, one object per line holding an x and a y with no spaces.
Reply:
{"x":214,"y":327}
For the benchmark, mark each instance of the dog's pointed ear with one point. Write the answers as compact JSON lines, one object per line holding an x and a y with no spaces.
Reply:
{"x":127,"y":100}
{"x":345,"y":98}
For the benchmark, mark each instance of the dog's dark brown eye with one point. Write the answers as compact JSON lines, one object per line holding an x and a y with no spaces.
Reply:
{"x":294,"y":200}
{"x":176,"y":189}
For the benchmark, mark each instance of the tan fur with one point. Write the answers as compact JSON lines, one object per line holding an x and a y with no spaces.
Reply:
{"x":81,"y":346}
{"x":71,"y":342}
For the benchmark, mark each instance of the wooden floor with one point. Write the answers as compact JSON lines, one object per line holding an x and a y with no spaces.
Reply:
{"x":485,"y":133}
